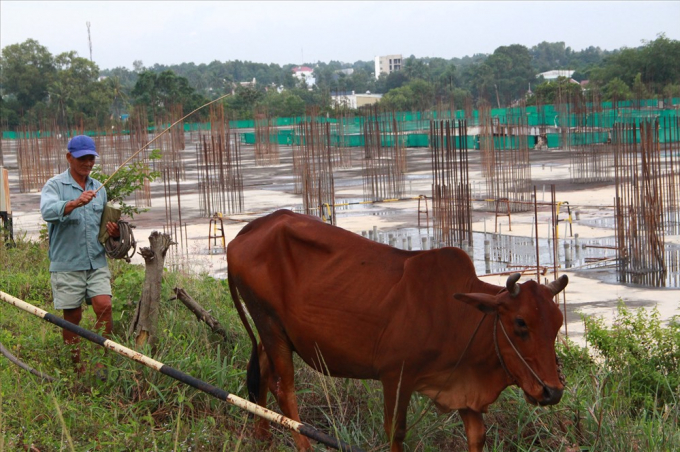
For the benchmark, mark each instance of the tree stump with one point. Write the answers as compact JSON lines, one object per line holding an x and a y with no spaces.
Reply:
{"x":145,"y":320}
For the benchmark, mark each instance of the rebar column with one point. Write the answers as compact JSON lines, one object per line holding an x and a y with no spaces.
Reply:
{"x":384,"y":162}
{"x":640,"y":193}
{"x":451,"y":198}
{"x":318,"y":187}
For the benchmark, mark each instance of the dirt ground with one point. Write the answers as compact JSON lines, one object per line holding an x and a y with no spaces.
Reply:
{"x":591,"y":291}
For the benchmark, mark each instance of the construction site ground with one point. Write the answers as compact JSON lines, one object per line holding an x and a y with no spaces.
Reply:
{"x":593,"y":289}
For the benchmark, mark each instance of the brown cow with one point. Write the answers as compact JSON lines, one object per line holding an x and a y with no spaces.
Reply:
{"x":414,"y":320}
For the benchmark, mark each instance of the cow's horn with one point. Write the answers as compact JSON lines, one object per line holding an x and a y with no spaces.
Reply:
{"x":558,"y":285}
{"x":511,"y":284}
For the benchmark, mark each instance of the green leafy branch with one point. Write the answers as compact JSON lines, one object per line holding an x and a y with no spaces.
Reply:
{"x":126,"y":181}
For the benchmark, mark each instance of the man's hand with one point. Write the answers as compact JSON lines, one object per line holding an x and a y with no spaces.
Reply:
{"x":112,"y":229}
{"x":85,"y":198}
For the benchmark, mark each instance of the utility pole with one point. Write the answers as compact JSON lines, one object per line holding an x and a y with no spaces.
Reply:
{"x":89,"y":38}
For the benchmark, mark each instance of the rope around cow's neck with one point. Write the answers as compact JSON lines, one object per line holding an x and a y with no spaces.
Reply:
{"x":474,"y":333}
{"x":498,"y":352}
{"x":519,"y":355}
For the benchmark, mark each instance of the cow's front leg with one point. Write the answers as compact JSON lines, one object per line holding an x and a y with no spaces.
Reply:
{"x":396,"y":395}
{"x":474,"y":429}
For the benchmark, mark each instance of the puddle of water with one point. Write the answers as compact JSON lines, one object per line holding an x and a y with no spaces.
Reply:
{"x":505,"y":253}
{"x":603,"y":222}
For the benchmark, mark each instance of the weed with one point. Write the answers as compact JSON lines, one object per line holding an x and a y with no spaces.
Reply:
{"x":621,"y":393}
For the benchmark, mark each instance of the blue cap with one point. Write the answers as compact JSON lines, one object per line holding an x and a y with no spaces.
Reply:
{"x":82,"y":145}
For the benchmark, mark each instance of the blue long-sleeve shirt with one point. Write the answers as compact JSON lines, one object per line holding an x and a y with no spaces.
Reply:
{"x":74,"y":244}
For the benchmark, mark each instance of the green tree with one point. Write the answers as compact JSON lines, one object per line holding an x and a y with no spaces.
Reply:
{"x":26,"y":70}
{"x":555,"y":91}
{"x":657,"y":62}
{"x":398,"y":99}
{"x":119,"y":93}
{"x":415,"y":68}
{"x":361,"y":81}
{"x":76,"y":94}
{"x":616,"y":90}
{"x":512,"y":72}
{"x":315,"y":97}
{"x":459,"y":96}
{"x":671,"y":90}
{"x":138,"y":66}
{"x":590,"y":56}
{"x":480,"y":79}
{"x":160,"y":92}
{"x":244,"y":101}
{"x":547,"y":56}
{"x":446,"y":83}
{"x":423,"y":94}
{"x":9,"y":116}
{"x":171,"y":89}
{"x":145,"y":91}
{"x":661,"y":63}
{"x":437,"y":66}
{"x":639,"y":89}
{"x":393,"y":80}
{"x":285,"y":104}
{"x":417,"y":95}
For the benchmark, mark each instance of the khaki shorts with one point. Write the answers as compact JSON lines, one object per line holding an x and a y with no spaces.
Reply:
{"x":70,"y":289}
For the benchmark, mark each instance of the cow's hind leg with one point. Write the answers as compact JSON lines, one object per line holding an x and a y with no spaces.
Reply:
{"x":262,"y":425}
{"x":474,"y":429}
{"x":282,"y":385}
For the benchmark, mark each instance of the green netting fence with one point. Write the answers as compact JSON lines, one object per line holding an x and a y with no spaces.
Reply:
{"x":415,"y":125}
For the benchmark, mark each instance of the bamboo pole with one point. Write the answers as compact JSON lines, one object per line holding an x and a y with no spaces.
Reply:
{"x":158,"y":136}
{"x":221,"y":394}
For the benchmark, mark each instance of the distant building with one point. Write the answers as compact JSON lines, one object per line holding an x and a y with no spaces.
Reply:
{"x":553,"y":75}
{"x":304,"y":73}
{"x":353,"y":100}
{"x":251,"y":84}
{"x":387,"y":64}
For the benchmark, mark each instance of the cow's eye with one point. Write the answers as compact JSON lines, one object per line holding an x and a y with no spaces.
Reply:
{"x":521,"y":323}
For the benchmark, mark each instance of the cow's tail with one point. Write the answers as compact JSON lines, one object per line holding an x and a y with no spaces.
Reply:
{"x":253,"y":372}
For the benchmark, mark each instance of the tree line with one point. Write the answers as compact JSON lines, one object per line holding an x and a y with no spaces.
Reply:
{"x":75,"y":92}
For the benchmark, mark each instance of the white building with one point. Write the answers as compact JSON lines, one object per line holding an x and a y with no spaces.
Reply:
{"x":553,"y":75}
{"x":251,"y":84}
{"x":387,"y":64}
{"x":304,"y":73}
{"x":353,"y":100}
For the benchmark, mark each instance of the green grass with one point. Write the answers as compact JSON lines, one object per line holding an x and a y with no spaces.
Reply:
{"x":622,"y":393}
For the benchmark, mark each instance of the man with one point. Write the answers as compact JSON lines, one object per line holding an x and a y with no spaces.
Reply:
{"x":78,"y":265}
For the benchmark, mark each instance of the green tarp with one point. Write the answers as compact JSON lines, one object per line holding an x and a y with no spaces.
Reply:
{"x":416,"y":124}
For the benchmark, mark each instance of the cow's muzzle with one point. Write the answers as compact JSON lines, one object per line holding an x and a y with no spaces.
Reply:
{"x":550,"y":396}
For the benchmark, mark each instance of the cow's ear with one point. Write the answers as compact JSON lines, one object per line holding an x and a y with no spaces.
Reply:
{"x":488,"y":304}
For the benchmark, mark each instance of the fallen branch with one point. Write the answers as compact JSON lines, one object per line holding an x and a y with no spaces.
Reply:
{"x":200,"y":313}
{"x":23,"y":365}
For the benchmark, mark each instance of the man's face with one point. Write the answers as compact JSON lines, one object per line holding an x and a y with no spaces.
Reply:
{"x":81,"y":166}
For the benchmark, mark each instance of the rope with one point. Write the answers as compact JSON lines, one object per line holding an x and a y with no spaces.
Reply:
{"x":434,"y":400}
{"x":120,"y":248}
{"x":519,"y":355}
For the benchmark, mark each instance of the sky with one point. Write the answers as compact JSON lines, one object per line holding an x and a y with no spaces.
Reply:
{"x":284,"y":32}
